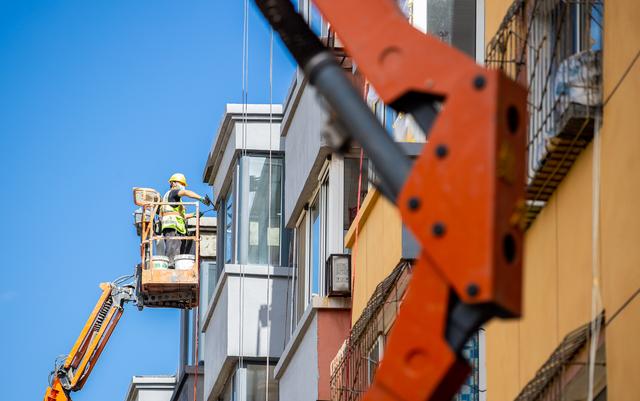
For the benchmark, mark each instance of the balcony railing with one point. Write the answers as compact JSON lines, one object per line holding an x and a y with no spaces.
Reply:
{"x":355,"y":365}
{"x":553,"y":47}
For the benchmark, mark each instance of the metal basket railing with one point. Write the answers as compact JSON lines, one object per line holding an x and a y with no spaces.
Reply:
{"x":151,"y":236}
{"x":553,"y":47}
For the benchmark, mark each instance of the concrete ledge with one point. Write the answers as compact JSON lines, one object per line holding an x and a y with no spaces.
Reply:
{"x":184,"y":385}
{"x":151,"y":383}
{"x":317,"y":303}
{"x":239,"y":271}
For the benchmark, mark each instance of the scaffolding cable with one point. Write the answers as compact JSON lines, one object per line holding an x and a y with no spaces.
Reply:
{"x":196,"y":358}
{"x":245,"y":91}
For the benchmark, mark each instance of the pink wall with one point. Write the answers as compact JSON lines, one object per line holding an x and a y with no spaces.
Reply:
{"x":333,"y":329}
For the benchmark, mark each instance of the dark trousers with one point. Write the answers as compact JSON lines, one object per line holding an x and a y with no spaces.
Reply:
{"x":173,"y":247}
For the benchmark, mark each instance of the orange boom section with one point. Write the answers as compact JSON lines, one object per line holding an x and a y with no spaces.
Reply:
{"x":463,"y":198}
{"x":72,"y":373}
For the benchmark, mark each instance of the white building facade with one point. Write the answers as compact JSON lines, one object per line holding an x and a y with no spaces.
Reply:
{"x":245,"y":316}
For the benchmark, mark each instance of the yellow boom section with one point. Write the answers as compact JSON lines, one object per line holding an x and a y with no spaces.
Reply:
{"x":73,"y":373}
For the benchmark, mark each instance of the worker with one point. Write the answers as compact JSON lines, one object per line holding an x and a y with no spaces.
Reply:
{"x":174,"y":217}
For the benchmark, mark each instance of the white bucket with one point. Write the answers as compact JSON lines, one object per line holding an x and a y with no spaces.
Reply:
{"x":159,"y":262}
{"x":184,"y":262}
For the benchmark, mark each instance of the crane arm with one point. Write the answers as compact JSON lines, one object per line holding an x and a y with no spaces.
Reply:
{"x":463,"y":198}
{"x":72,"y":373}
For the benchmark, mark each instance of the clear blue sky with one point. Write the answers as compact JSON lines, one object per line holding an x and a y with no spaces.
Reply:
{"x":97,"y":97}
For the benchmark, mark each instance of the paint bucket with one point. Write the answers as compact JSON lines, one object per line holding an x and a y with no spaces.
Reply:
{"x":159,"y":262}
{"x":184,"y":262}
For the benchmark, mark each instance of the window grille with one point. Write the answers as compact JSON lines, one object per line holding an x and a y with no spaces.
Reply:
{"x":354,"y":367}
{"x":554,"y":47}
{"x":564,"y":375}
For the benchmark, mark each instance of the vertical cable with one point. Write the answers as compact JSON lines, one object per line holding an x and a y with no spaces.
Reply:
{"x":196,"y":358}
{"x":269,"y":264}
{"x":596,"y":294}
{"x":245,"y":91}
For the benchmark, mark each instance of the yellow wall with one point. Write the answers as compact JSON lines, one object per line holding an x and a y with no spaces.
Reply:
{"x":557,"y":283}
{"x":620,"y":195}
{"x":378,"y":250}
{"x":558,"y":278}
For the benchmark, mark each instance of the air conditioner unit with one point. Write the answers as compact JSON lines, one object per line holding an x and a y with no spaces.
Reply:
{"x":338,"y":275}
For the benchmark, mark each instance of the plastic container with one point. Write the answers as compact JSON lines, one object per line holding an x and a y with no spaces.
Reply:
{"x":159,"y":262}
{"x":184,"y":262}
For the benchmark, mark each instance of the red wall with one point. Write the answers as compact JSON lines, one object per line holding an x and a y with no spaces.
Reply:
{"x":333,"y":329}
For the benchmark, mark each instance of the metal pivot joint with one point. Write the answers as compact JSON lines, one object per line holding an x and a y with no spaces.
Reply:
{"x":72,"y":373}
{"x":461,"y":198}
{"x":326,"y":75}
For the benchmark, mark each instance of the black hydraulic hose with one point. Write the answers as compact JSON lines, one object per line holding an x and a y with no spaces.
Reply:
{"x":324,"y":72}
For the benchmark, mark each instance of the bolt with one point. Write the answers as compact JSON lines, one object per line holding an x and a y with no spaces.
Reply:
{"x":473,"y":290}
{"x":414,"y":203}
{"x":438,"y":229}
{"x":442,"y":151}
{"x":479,"y":82}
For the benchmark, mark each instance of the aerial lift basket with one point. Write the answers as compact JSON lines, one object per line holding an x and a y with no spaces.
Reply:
{"x":157,"y":287}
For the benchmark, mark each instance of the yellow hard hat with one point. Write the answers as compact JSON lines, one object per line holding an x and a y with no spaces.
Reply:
{"x":178,"y":177}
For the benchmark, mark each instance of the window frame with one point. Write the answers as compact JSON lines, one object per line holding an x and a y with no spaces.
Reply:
{"x":243,"y":218}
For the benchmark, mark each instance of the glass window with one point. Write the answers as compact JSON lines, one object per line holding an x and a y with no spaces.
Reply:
{"x":352,"y":176}
{"x":374,"y":357}
{"x":209,"y":278}
{"x":595,"y":28}
{"x":317,"y":23}
{"x":257,"y":383}
{"x":389,"y":118}
{"x":212,"y":280}
{"x":228,"y":228}
{"x":301,"y":266}
{"x":315,"y":257}
{"x":229,"y":393}
{"x":261,"y":210}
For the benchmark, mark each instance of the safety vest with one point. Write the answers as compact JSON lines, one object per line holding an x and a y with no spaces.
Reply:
{"x":172,"y":216}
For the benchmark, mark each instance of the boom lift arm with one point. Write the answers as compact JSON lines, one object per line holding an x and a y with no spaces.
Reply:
{"x":463,"y":198}
{"x":73,"y":372}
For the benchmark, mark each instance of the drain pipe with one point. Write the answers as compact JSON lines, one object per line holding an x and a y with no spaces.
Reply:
{"x":184,"y":342}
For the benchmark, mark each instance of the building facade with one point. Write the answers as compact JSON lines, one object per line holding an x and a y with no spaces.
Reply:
{"x":246,"y":311}
{"x":581,"y":275}
{"x":151,"y":388}
{"x":335,"y":212}
{"x":189,"y":377}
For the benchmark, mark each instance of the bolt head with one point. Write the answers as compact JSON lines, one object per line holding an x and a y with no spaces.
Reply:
{"x":479,"y":82}
{"x":414,"y":203}
{"x":473,"y":290}
{"x":438,"y":229}
{"x":442,"y":151}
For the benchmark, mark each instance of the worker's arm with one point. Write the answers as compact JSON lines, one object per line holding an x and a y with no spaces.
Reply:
{"x":190,"y":194}
{"x":73,"y":372}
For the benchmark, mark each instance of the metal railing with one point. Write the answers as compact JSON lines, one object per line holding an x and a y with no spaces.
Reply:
{"x":553,"y":47}
{"x":355,"y":364}
{"x":151,"y":231}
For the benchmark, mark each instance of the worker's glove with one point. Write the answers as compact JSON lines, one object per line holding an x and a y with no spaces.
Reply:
{"x":206,"y":200}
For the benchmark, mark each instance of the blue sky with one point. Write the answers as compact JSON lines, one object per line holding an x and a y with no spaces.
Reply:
{"x":97,"y":97}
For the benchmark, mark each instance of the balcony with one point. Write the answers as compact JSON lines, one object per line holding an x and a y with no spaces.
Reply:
{"x":554,"y":48}
{"x":246,"y":318}
{"x":354,"y":367}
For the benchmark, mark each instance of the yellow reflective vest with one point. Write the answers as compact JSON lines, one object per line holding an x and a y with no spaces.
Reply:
{"x":172,"y":216}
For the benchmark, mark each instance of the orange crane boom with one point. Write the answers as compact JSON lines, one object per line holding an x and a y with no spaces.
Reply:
{"x":463,"y":197}
{"x":71,"y":374}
